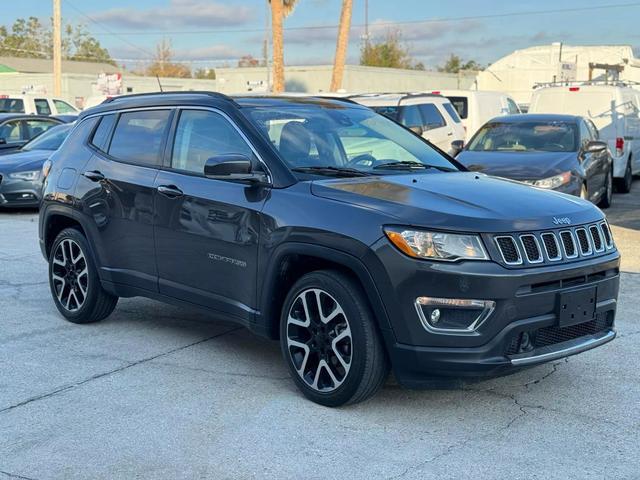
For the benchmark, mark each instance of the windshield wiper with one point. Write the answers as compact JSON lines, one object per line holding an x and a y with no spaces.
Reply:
{"x":406,"y":165}
{"x":335,"y":171}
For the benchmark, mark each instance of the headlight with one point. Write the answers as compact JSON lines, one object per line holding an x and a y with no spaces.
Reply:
{"x":31,"y":175}
{"x":553,"y":182}
{"x":437,"y":245}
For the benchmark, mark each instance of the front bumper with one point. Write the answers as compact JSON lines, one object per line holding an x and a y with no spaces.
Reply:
{"x":526,"y":301}
{"x":19,"y":193}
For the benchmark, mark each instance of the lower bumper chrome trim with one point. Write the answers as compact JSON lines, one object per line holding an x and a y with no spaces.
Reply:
{"x":571,"y":349}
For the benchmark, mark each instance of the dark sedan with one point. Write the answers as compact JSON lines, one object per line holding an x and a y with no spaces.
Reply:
{"x":21,"y":173}
{"x":17,"y":129}
{"x":556,"y":152}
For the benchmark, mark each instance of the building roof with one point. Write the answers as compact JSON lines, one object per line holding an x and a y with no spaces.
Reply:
{"x":42,"y":65}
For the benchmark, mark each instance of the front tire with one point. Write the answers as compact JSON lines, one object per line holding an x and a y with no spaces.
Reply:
{"x":73,"y":280}
{"x":330,"y":341}
{"x":607,"y":196}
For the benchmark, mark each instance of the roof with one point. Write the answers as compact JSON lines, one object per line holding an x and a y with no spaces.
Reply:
{"x":536,"y":117}
{"x":26,"y":116}
{"x":208,"y":98}
{"x":42,"y":65}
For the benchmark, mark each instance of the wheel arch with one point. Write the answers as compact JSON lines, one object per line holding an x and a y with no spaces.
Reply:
{"x":55,"y":221}
{"x":291,"y":261}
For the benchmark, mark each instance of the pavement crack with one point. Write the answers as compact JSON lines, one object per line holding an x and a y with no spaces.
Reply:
{"x":13,"y":475}
{"x":219,"y":372}
{"x":554,"y":369}
{"x":111,"y":372}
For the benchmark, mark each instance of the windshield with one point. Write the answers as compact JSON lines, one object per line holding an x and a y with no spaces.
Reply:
{"x":530,"y":136}
{"x":11,"y":105}
{"x":344,"y":137}
{"x":49,"y":140}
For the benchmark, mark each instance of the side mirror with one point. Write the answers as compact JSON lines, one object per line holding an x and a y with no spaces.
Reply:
{"x":233,"y":167}
{"x":594,"y":146}
{"x":456,"y":147}
{"x":417,"y":129}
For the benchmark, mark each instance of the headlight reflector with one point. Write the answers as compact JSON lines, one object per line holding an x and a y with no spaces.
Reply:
{"x":30,"y":175}
{"x":553,"y":182}
{"x":437,"y":245}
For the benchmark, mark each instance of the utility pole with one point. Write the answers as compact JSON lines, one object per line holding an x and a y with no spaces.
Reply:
{"x":57,"y":49}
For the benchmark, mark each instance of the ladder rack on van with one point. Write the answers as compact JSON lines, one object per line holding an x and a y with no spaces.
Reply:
{"x":579,"y":83}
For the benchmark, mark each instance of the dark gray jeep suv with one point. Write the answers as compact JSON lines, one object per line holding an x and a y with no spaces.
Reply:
{"x":329,"y":227}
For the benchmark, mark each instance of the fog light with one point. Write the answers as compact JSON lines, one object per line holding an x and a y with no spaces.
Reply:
{"x":453,"y":315}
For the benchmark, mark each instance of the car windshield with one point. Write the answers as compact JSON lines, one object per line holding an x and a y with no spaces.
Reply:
{"x":343,"y":137}
{"x":526,"y":136}
{"x":49,"y":140}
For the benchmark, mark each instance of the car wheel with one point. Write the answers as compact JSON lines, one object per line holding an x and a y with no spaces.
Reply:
{"x":624,"y":183}
{"x":607,"y":196}
{"x":330,"y":341}
{"x":73,"y":279}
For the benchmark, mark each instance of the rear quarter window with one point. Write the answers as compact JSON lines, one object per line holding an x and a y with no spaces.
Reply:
{"x":461,"y":104}
{"x":11,"y":105}
{"x":102,"y":134}
{"x":432,"y":116}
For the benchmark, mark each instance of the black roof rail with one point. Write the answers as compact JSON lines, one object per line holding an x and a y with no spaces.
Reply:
{"x":217,"y":95}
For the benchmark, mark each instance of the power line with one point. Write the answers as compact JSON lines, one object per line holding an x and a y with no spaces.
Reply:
{"x":381,"y":24}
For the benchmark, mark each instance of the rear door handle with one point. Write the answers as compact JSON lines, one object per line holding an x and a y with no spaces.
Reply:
{"x":94,"y":175}
{"x":170,"y":191}
{"x":449,"y":134}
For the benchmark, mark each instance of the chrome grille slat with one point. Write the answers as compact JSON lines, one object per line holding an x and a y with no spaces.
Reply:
{"x":555,"y":245}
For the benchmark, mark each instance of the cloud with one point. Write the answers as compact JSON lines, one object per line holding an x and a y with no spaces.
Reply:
{"x":179,"y":13}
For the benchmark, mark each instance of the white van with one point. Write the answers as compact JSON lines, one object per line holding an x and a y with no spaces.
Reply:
{"x":613,"y":108}
{"x":477,"y":107}
{"x":431,"y":116}
{"x":36,"y":105}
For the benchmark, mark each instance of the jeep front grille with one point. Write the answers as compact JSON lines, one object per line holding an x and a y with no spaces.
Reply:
{"x":554,"y":246}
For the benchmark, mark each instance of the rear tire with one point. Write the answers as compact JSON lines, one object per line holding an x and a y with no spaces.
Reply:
{"x":607,"y":196}
{"x":624,"y":184}
{"x":330,"y":341}
{"x":74,"y":282}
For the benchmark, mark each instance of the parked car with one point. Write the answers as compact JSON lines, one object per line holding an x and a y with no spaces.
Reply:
{"x":32,"y":104}
{"x":613,"y":108}
{"x":21,"y":172}
{"x":17,"y":129}
{"x":431,"y":116}
{"x":557,"y":152}
{"x":354,"y":263}
{"x":477,"y":107}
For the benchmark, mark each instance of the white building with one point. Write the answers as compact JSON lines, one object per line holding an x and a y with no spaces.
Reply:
{"x":518,"y":72}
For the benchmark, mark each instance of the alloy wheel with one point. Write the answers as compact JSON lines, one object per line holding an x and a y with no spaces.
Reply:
{"x":319,"y":340}
{"x":70,"y":275}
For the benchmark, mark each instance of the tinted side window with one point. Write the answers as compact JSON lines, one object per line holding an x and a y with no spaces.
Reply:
{"x":432,"y":117}
{"x":461,"y":105}
{"x":42,"y":106}
{"x":10,"y":131}
{"x":103,"y":133}
{"x":36,"y":127}
{"x":139,"y":135}
{"x":63,"y":107}
{"x":452,"y":112}
{"x":11,"y":105}
{"x":410,"y":116}
{"x":201,"y":135}
{"x":513,"y":107}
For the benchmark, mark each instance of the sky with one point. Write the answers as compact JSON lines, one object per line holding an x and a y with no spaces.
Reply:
{"x":209,"y":33}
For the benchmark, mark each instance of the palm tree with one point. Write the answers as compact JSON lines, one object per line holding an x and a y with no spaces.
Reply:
{"x":279,"y":10}
{"x":342,"y":44}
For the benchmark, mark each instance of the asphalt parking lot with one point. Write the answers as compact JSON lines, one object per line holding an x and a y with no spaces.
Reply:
{"x":159,"y":392}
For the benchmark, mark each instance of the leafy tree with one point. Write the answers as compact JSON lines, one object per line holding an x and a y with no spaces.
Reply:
{"x":31,"y":39}
{"x":390,"y":52}
{"x":455,"y":64}
{"x":163,"y":65}
{"x":205,"y":74}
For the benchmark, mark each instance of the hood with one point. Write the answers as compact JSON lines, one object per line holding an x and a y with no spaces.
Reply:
{"x":24,"y":161}
{"x":461,"y":201}
{"x":519,"y":165}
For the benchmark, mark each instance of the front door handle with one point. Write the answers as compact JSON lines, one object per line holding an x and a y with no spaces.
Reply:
{"x":449,"y":134}
{"x":94,"y":175}
{"x":170,"y":191}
